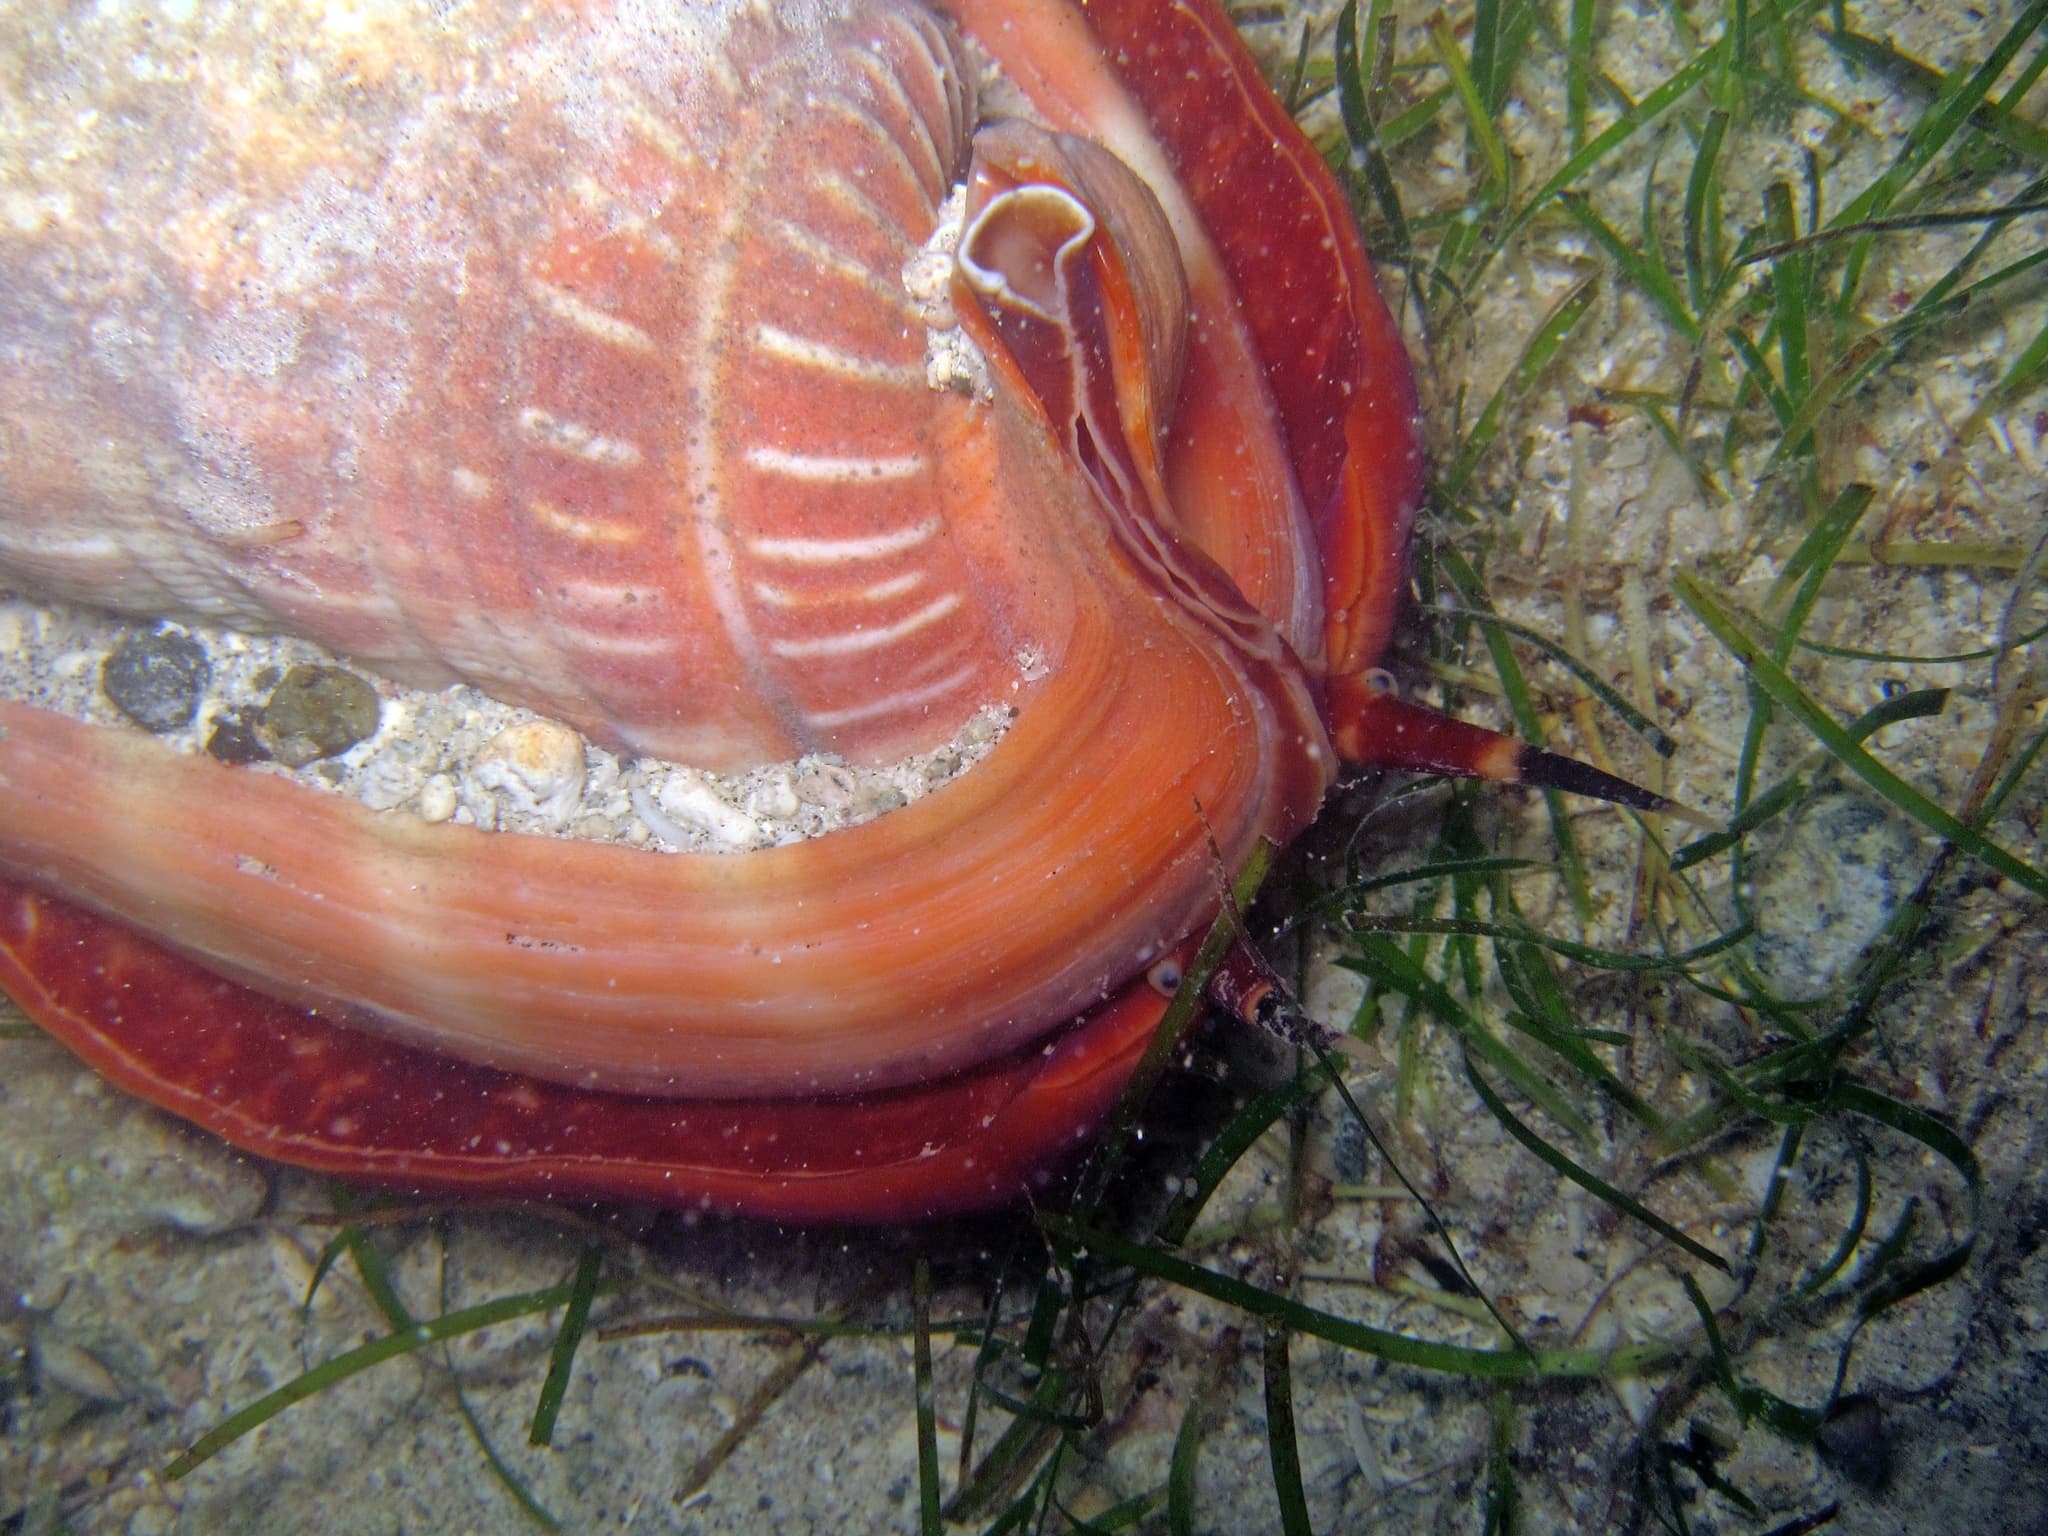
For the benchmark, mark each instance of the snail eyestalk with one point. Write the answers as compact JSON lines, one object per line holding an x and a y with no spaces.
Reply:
{"x":1373,"y":729}
{"x":1245,"y":986}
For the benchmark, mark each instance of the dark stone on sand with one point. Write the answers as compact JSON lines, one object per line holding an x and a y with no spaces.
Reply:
{"x":156,"y":679}
{"x":235,"y":740}
{"x":317,"y":712}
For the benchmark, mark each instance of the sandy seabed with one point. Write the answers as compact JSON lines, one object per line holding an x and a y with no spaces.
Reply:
{"x":155,"y":1281}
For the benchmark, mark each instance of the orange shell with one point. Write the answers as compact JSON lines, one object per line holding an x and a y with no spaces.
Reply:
{"x":566,"y":357}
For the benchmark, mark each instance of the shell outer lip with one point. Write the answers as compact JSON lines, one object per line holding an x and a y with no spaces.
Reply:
{"x":395,"y":1115}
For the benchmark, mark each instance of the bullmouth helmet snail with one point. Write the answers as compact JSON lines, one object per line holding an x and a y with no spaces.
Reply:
{"x":726,"y":394}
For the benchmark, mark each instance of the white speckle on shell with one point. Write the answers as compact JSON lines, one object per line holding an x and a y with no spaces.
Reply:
{"x":951,"y":359}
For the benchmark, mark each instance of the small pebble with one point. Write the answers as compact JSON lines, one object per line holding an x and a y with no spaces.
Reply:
{"x":826,"y":784}
{"x":774,"y":797}
{"x":537,"y":766}
{"x":1825,"y":882}
{"x":438,"y":798}
{"x":317,"y":712}
{"x":155,"y":679}
{"x":383,"y":784}
{"x":65,"y":1365}
{"x":235,"y":739}
{"x":688,"y":799}
{"x":1855,"y":1439}
{"x":1350,"y":1152}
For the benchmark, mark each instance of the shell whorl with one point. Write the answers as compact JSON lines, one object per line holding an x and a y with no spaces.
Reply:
{"x":834,"y":567}
{"x":595,"y":386}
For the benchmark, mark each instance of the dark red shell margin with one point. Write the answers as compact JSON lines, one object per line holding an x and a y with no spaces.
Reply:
{"x":290,"y":1085}
{"x":1334,"y":358}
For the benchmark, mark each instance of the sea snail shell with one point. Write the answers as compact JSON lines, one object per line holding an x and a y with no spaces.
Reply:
{"x":566,"y":351}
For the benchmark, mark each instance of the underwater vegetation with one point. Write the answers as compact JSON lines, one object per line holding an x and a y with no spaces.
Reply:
{"x":1691,"y":1176}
